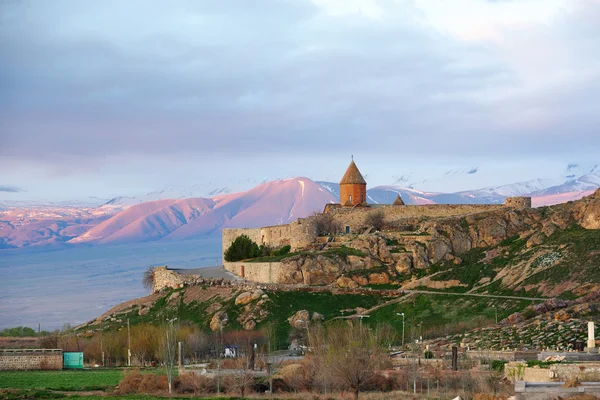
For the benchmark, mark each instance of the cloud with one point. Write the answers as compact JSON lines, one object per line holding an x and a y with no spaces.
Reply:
{"x":10,"y":189}
{"x":147,"y":79}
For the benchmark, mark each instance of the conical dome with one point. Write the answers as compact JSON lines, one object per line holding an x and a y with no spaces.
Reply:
{"x":353,"y":176}
{"x":398,"y":201}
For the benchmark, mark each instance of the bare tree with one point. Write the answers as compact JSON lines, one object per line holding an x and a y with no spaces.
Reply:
{"x":148,"y":279}
{"x":375,"y":219}
{"x":325,"y":224}
{"x":351,"y":354}
{"x":169,"y":351}
{"x":242,"y":378}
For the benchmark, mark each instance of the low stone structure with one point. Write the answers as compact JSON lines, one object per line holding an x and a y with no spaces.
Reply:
{"x":165,"y":278}
{"x":263,"y":272}
{"x":31,"y":359}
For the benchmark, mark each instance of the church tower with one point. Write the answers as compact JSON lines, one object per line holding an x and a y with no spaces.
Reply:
{"x":353,"y":187}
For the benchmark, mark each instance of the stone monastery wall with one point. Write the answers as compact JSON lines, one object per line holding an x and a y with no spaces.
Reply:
{"x":263,"y":272}
{"x":302,"y":233}
{"x":297,"y":234}
{"x":24,"y":359}
{"x":355,"y":217}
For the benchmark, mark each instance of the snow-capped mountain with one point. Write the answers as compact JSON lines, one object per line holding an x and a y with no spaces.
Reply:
{"x":179,"y":212}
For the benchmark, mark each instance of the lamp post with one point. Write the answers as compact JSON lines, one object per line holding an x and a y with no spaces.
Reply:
{"x":402,"y":314}
{"x":361,"y":318}
{"x":128,"y":344}
{"x":496,"y":312}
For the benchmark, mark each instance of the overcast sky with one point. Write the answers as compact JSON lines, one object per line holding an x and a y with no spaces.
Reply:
{"x":108,"y":98}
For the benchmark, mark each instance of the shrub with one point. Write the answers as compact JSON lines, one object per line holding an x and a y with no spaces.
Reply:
{"x":428,"y":354}
{"x":134,"y":382}
{"x":282,"y":251}
{"x":242,"y":248}
{"x":194,"y":384}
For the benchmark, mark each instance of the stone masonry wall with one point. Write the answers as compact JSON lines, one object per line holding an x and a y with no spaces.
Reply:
{"x":166,"y":278}
{"x":518,"y":202}
{"x":25,"y":359}
{"x":355,"y":217}
{"x":297,"y":234}
{"x":265,"y":272}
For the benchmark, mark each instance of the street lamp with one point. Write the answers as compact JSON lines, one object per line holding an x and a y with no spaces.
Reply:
{"x":402,"y":314}
{"x":496,"y":312}
{"x":361,"y":318}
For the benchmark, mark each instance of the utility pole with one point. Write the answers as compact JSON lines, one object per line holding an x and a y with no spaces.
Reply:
{"x":496,"y":312}
{"x":219,"y":357}
{"x":402,"y":314}
{"x":102,"y":341}
{"x":128,"y":344}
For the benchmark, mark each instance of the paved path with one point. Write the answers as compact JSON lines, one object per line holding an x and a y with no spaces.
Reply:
{"x":494,"y":296}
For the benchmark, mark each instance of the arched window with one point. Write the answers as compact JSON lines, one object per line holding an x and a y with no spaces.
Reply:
{"x":362,"y":198}
{"x":350,"y":198}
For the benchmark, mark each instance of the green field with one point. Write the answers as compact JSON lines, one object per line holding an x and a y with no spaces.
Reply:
{"x":24,"y":394}
{"x":61,"y":380}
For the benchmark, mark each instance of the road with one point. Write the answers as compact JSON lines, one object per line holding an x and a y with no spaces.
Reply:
{"x":494,"y":296}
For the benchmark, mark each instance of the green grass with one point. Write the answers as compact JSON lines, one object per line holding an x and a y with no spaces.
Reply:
{"x":438,"y":313}
{"x":578,"y":260}
{"x":284,"y":304}
{"x":27,"y":394}
{"x":61,"y":380}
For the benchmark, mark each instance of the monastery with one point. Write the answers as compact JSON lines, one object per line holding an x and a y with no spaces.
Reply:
{"x":350,"y":215}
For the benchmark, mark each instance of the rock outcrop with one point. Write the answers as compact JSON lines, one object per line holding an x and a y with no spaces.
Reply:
{"x":219,"y":320}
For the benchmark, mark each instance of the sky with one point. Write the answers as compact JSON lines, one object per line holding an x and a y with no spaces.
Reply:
{"x":119,"y":97}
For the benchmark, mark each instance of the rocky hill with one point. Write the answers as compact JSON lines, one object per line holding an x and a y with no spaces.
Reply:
{"x":447,"y":275}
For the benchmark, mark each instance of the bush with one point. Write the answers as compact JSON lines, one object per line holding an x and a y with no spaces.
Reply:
{"x":194,"y":384}
{"x":134,"y":382}
{"x":282,"y":251}
{"x":242,"y":248}
{"x":428,"y":354}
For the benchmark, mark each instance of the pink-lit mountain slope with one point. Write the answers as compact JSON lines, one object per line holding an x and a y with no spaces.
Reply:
{"x":271,"y":203}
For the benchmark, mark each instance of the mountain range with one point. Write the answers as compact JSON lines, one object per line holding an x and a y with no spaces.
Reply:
{"x":177,"y":213}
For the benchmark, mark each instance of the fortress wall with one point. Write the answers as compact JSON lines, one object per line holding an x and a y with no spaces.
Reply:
{"x":166,"y":278}
{"x":355,"y":217}
{"x":297,"y":234}
{"x":518,"y":202}
{"x":262,"y":272}
{"x":25,"y":359}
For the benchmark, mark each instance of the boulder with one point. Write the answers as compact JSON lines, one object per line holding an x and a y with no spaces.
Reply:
{"x":562,"y":315}
{"x":379,"y":279}
{"x":300,"y":319}
{"x":249,"y":325}
{"x":247,"y":297}
{"x":311,"y":270}
{"x":361,"y":280}
{"x":402,"y":262}
{"x":219,"y":320}
{"x":419,"y":256}
{"x":372,"y":245}
{"x":345,"y":282}
{"x":438,"y":248}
